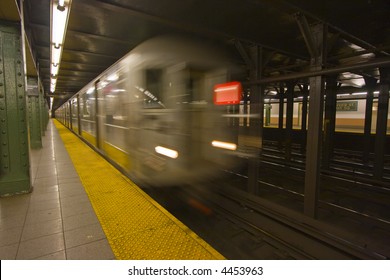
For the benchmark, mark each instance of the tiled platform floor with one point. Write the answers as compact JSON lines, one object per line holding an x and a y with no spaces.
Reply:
{"x":55,"y":221}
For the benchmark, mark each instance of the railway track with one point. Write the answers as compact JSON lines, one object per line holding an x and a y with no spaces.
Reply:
{"x":291,"y":238}
{"x":346,"y":164}
{"x":242,"y":226}
{"x":353,"y":222}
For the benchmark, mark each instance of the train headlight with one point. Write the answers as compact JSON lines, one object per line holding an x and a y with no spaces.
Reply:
{"x":224,"y":145}
{"x":166,"y":152}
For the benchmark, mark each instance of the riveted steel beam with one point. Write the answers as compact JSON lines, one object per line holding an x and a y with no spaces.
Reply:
{"x":14,"y":155}
{"x":34,"y":116}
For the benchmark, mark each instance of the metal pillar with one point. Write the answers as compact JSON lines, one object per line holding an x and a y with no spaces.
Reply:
{"x":381,"y":124}
{"x":34,"y":114}
{"x":43,"y":108}
{"x":14,"y":160}
{"x":314,"y":134}
{"x":330,"y":120}
{"x":289,"y":119}
{"x":305,"y":93}
{"x":256,"y":124}
{"x":280,"y":119}
{"x":370,"y":84}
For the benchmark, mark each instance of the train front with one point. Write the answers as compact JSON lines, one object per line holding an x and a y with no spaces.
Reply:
{"x":179,"y":111}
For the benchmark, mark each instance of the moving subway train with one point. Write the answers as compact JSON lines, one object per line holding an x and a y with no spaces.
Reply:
{"x":162,"y":112}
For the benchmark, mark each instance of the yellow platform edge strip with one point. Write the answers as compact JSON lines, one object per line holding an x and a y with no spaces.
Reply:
{"x":136,"y":226}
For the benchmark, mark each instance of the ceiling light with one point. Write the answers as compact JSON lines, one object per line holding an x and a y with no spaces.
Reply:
{"x":54,"y":69}
{"x":59,"y":21}
{"x":60,"y":10}
{"x":56,"y":54}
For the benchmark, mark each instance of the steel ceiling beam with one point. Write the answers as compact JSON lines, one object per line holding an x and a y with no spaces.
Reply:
{"x":117,"y":8}
{"x":351,"y":38}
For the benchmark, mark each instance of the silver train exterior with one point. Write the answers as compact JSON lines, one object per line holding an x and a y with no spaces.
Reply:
{"x":152,"y":113}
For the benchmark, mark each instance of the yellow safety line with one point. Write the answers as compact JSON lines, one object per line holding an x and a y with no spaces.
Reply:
{"x":136,"y":226}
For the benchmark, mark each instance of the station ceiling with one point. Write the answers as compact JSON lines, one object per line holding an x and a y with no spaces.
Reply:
{"x":102,"y":31}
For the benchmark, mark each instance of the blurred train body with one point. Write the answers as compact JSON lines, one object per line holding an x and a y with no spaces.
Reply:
{"x":152,"y":113}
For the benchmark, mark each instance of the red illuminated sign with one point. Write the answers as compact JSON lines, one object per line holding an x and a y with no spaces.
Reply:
{"x":228,"y":93}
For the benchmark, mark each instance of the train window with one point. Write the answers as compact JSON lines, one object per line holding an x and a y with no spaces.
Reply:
{"x":153,"y":89}
{"x":195,"y":85}
{"x":201,"y":82}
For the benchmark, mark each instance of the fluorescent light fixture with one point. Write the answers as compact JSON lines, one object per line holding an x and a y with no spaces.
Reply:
{"x":52,"y":87}
{"x":56,"y":54}
{"x":59,"y":21}
{"x":54,"y":69}
{"x":224,"y":145}
{"x":166,"y":152}
{"x":60,"y":10}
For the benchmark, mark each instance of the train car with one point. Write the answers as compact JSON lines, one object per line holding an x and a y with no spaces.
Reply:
{"x":161,"y":113}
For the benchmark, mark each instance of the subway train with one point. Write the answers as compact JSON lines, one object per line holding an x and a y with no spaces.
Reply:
{"x":161,"y":113}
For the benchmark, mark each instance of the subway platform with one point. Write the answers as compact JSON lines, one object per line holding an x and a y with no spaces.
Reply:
{"x":83,"y":208}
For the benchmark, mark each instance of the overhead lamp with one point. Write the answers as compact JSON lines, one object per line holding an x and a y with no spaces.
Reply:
{"x":60,"y":14}
{"x":60,"y":10}
{"x":53,"y":83}
{"x":61,"y":5}
{"x":52,"y":87}
{"x":54,"y":69}
{"x":56,"y":54}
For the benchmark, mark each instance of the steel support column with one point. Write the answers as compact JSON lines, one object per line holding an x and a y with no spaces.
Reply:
{"x":370,"y":84}
{"x":381,"y":123}
{"x":14,"y":151}
{"x":289,"y":119}
{"x":34,"y":114}
{"x":44,"y":109}
{"x":330,"y":120}
{"x":256,"y":124}
{"x":281,"y":115}
{"x":314,"y":134}
{"x":305,"y":93}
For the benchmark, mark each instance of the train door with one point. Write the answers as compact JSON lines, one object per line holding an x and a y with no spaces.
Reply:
{"x":157,"y":149}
